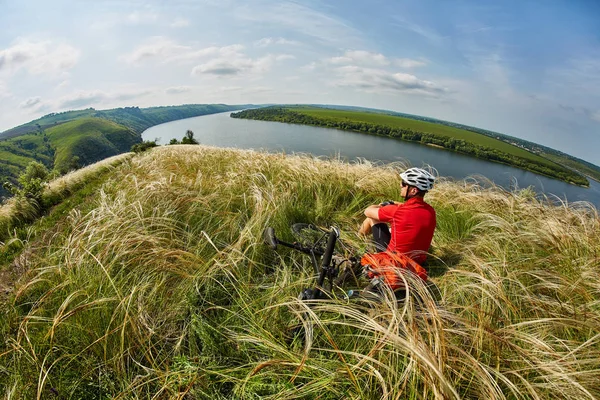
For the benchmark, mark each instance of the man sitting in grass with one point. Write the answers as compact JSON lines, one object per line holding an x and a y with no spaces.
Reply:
{"x":412,"y":225}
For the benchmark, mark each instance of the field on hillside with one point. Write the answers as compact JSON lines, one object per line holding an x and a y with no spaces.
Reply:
{"x":423,"y":126}
{"x":439,"y":135}
{"x":158,"y":286}
{"x":77,"y":142}
{"x":134,"y":118}
{"x":90,"y":140}
{"x":17,"y":153}
{"x":585,"y":168}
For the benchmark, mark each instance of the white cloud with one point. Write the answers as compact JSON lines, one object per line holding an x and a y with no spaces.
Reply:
{"x":221,"y":61}
{"x":224,"y":66}
{"x":309,"y":67}
{"x":291,"y":16}
{"x":63,"y":85}
{"x":408,"y":63}
{"x":269,"y":41}
{"x":371,"y":59}
{"x":31,"y":103}
{"x":38,"y":57}
{"x":237,"y":64}
{"x":142,"y":17}
{"x":382,"y":81}
{"x":425,"y":32}
{"x":178,"y":89}
{"x":80,"y":99}
{"x":94,"y":97}
{"x":156,"y":47}
{"x":167,"y":50}
{"x":595,"y":116}
{"x":283,"y":57}
{"x":180,"y":23}
{"x":577,"y":81}
{"x":4,"y":92}
{"x":360,"y":57}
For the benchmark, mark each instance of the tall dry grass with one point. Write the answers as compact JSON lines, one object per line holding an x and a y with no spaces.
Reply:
{"x":17,"y":211}
{"x":164,"y":290}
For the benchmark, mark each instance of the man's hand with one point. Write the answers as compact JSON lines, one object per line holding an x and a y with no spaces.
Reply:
{"x":387,"y":203}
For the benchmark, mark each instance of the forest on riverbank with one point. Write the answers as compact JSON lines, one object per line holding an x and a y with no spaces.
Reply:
{"x":450,"y":138}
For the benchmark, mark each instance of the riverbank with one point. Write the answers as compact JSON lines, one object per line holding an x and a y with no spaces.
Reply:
{"x":453,"y":139}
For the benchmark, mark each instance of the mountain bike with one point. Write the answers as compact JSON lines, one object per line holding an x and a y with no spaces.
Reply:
{"x":331,"y":267}
{"x":320,"y":245}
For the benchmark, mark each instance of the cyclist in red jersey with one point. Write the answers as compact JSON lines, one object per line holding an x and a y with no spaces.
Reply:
{"x":412,"y":225}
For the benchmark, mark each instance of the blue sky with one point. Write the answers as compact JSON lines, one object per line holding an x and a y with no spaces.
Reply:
{"x":530,"y":69}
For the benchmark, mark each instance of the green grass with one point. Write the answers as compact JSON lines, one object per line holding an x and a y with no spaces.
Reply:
{"x":134,"y":118}
{"x":89,"y":139}
{"x":423,"y":126}
{"x":45,"y":122}
{"x":14,"y":159}
{"x":589,"y":169}
{"x":58,"y":198}
{"x":90,"y":135}
{"x":17,"y":153}
{"x":159,"y":286}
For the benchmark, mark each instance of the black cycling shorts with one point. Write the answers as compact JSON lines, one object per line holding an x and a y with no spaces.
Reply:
{"x":381,"y":236}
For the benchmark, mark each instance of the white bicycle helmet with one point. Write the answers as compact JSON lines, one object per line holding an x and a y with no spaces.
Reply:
{"x":418,"y":178}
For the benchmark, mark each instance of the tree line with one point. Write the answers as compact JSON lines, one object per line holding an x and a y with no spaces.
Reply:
{"x":281,"y":114}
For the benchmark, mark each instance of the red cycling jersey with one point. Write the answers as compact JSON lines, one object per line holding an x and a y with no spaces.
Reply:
{"x":412,"y":225}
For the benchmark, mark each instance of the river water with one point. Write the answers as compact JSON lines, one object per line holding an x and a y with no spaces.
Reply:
{"x":223,"y":131}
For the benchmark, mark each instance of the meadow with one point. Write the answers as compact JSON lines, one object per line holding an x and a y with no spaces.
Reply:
{"x":158,"y":286}
{"x":423,"y":126}
{"x":89,"y":140}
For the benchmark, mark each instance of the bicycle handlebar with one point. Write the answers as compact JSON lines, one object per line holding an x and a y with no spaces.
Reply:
{"x":273,"y":242}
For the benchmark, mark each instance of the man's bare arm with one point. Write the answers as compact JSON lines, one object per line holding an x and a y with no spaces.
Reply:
{"x":373,"y":212}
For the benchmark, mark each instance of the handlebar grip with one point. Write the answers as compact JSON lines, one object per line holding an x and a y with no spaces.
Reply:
{"x":269,"y":237}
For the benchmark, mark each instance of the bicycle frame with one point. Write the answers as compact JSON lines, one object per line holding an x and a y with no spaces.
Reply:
{"x":324,"y":270}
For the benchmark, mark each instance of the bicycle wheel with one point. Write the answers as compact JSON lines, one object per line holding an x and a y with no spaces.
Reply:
{"x":309,"y":235}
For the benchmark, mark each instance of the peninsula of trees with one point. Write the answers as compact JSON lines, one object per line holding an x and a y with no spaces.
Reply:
{"x":448,"y":137}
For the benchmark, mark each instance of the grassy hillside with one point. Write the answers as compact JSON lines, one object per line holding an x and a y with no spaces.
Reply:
{"x":47,"y":121}
{"x":72,"y":144}
{"x":58,"y":198}
{"x":577,"y":164}
{"x":90,"y":140}
{"x":135,"y":118}
{"x":158,"y":286}
{"x":451,"y":138}
{"x":17,"y":153}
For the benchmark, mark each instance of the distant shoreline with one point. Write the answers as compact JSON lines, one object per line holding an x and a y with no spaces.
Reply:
{"x":461,"y":141}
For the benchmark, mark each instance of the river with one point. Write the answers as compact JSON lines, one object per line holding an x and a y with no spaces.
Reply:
{"x":223,"y":131}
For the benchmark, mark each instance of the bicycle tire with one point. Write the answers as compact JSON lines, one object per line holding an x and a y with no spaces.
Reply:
{"x":309,"y":234}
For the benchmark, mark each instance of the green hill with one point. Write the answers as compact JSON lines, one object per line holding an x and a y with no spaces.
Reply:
{"x":18,"y":152}
{"x":163,"y":289}
{"x":135,"y":118}
{"x":64,"y":147}
{"x":78,"y":138}
{"x":89,"y":140}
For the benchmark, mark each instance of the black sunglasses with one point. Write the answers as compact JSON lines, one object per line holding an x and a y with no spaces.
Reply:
{"x":404,"y":184}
